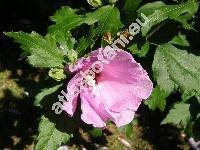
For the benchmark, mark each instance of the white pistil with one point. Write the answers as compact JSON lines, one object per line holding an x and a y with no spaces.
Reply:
{"x":90,"y":81}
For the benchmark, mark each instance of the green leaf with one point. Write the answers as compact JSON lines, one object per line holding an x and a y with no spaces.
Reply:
{"x":64,"y":40}
{"x":180,"y":40}
{"x":128,"y":129}
{"x":149,"y":8}
{"x":108,"y":17}
{"x":157,"y":99}
{"x":140,"y":53}
{"x":134,"y":48}
{"x":131,"y":5}
{"x":85,"y":42}
{"x":65,"y":19}
{"x":66,"y":43}
{"x":157,"y":12}
{"x":96,"y":132}
{"x":45,"y":92}
{"x":174,"y":68}
{"x":178,"y":114}
{"x":189,"y":129}
{"x":82,"y":44}
{"x":49,"y":137}
{"x":183,"y":20}
{"x":144,"y":50}
{"x":130,"y":8}
{"x":42,"y":51}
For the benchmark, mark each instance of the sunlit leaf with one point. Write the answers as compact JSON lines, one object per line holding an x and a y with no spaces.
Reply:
{"x":41,"y":51}
{"x":49,"y":136}
{"x":157,"y":99}
{"x":178,"y":114}
{"x":65,"y":19}
{"x":174,"y":68}
{"x":158,"y":12}
{"x":108,"y":18}
{"x":44,"y":93}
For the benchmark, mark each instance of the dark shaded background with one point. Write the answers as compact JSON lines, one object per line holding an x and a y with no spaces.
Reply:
{"x":27,"y":16}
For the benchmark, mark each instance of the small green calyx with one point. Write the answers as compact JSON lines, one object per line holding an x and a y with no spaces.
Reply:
{"x":57,"y":74}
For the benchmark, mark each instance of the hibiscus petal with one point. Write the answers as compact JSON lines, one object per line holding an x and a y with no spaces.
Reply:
{"x":82,"y":64}
{"x":118,"y":96}
{"x":89,"y":114}
{"x":122,"y":118}
{"x":96,"y":112}
{"x":124,"y":83}
{"x":73,"y":91}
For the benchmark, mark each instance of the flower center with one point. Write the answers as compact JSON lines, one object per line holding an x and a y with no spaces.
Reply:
{"x":90,"y":80}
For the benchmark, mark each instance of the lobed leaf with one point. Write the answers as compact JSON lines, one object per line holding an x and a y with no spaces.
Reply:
{"x":44,"y":93}
{"x":178,"y":114}
{"x":41,"y":51}
{"x":174,"y":68}
{"x":157,"y":12}
{"x":65,"y":19}
{"x":139,"y":52}
{"x":108,"y":18}
{"x":49,"y":137}
{"x":157,"y":99}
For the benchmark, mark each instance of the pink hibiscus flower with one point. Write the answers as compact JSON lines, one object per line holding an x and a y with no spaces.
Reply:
{"x":114,"y":93}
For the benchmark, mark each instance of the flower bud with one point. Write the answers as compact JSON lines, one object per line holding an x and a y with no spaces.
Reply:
{"x":57,"y":74}
{"x":95,"y":3}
